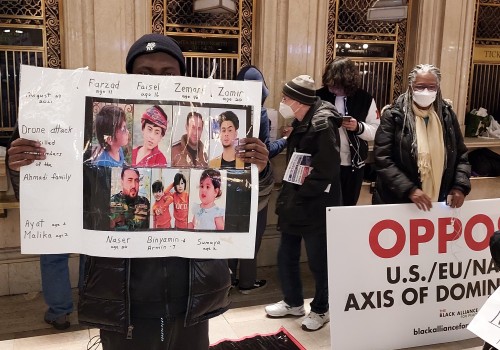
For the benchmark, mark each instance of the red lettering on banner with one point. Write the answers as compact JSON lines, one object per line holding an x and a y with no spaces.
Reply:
{"x":469,"y":239}
{"x":415,"y":238}
{"x":400,"y":238}
{"x":444,"y":236}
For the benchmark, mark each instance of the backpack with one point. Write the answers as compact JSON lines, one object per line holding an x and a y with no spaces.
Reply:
{"x":484,"y":162}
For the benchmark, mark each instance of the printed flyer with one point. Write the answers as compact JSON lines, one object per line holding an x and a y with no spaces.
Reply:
{"x":405,"y":277}
{"x":135,"y":165}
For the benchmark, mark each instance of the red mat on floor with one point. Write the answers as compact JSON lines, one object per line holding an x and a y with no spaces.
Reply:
{"x":281,"y":340}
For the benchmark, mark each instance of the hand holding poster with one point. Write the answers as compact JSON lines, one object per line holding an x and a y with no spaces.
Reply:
{"x":425,"y":274}
{"x":137,"y":166}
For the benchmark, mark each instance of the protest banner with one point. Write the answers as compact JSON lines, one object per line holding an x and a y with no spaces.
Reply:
{"x":402,"y":277}
{"x":486,"y":324}
{"x":130,"y":165}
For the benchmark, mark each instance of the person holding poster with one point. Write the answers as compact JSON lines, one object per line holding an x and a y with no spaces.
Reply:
{"x":301,"y":208}
{"x":112,"y":134}
{"x":158,"y":303}
{"x":420,"y":155}
{"x":189,"y":151}
{"x":154,"y":125}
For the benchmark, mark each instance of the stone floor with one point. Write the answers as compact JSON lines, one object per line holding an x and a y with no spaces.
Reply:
{"x":22,"y":326}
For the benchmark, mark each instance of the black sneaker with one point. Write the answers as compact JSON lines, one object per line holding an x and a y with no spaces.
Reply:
{"x":234,"y":283}
{"x":61,"y":323}
{"x":259,"y":284}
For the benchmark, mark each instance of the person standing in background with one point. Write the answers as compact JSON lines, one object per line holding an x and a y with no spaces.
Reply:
{"x":420,"y":155}
{"x":301,"y":207}
{"x":246,"y":277}
{"x":341,"y":81}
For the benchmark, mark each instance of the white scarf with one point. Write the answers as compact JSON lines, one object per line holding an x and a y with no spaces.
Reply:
{"x":430,"y":147}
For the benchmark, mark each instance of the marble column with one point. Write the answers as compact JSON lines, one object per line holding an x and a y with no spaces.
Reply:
{"x":98,"y":34}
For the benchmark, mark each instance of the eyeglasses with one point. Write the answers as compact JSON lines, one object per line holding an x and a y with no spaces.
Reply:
{"x":420,"y":87}
{"x":123,"y":129}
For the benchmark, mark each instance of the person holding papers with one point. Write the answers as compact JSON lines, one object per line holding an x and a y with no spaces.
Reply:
{"x":160,"y":303}
{"x":420,"y":155}
{"x":313,"y":148}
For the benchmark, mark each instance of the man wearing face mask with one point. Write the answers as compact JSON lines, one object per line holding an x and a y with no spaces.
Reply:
{"x":420,"y":155}
{"x":301,"y":208}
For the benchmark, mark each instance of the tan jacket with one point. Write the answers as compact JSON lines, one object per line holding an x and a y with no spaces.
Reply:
{"x":182,"y":158}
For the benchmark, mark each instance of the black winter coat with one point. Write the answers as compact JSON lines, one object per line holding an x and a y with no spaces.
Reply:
{"x":396,"y":159}
{"x":301,"y":209}
{"x":201,"y":285}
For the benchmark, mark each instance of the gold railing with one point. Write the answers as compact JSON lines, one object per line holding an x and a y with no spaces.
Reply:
{"x":484,"y":91}
{"x":377,"y":79}
{"x":201,"y":66}
{"x":10,"y":61}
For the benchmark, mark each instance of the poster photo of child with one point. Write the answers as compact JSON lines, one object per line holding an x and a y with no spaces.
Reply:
{"x":231,"y":128}
{"x":152,"y":135}
{"x":111,"y":136}
{"x":161,"y":210}
{"x":208,"y":202}
{"x":170,"y":194}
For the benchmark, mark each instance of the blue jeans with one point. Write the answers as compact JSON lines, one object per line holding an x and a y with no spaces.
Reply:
{"x":248,"y":267}
{"x":56,"y":285}
{"x":289,"y":269}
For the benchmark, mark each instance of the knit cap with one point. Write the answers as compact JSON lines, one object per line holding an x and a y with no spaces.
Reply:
{"x":151,"y":43}
{"x":155,"y":115}
{"x":301,"y":89}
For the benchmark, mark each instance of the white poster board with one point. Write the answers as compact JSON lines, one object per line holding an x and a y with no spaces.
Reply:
{"x":402,"y":277}
{"x":68,"y":202}
{"x":486,"y":324}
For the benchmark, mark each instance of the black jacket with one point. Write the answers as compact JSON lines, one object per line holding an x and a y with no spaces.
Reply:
{"x":396,"y":162}
{"x":171,"y":286}
{"x":301,"y":209}
{"x":357,"y":106}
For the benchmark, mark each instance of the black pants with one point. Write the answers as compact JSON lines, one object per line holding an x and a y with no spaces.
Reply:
{"x":248,"y":267}
{"x":350,"y":180}
{"x":153,"y":334}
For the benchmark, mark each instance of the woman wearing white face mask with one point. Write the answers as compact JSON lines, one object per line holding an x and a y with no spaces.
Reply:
{"x":420,"y":155}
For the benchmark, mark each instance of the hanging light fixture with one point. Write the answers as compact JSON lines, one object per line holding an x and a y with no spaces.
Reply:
{"x":215,"y":6}
{"x":388,"y":10}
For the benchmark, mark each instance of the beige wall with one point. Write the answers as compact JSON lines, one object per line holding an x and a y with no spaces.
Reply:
{"x":290,"y":37}
{"x":98,"y":34}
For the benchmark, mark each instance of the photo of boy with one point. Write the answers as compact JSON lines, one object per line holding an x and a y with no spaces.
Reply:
{"x":181,"y":200}
{"x":228,"y":136}
{"x":154,"y":125}
{"x":110,"y":127}
{"x":209,"y":213}
{"x":161,"y":206}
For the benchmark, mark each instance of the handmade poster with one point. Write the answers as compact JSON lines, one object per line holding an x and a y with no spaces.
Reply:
{"x":425,"y":274}
{"x":138,"y":166}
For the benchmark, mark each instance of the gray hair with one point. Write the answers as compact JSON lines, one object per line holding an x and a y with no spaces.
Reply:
{"x":409,"y":117}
